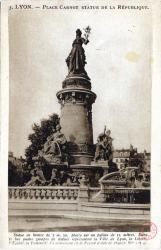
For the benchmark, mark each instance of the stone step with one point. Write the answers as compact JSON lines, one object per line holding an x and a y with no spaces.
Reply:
{"x":121,"y":209}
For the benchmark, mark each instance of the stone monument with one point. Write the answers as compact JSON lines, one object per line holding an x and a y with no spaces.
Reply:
{"x":76,"y":99}
{"x":70,"y":147}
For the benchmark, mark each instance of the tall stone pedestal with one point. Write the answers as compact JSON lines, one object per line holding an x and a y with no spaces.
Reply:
{"x":76,"y":99}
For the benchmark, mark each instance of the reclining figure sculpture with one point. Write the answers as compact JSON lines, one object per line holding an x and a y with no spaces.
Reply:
{"x":54,"y":150}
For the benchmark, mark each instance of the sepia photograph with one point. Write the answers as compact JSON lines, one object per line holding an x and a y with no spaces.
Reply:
{"x":80,"y":80}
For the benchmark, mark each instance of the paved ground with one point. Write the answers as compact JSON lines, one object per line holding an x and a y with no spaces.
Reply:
{"x":34,"y":220}
{"x":71,"y":223}
{"x":99,"y":228}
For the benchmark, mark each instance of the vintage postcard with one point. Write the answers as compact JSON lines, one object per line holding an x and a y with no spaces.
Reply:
{"x":80,"y":141}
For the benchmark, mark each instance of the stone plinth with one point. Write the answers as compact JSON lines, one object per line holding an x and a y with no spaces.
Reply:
{"x":83,"y":194}
{"x":100,"y":163}
{"x":92,"y":173}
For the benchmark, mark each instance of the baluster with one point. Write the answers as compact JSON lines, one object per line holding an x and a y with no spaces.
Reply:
{"x":13,"y":192}
{"x":37,"y":193}
{"x":23,"y":192}
{"x":10,"y":193}
{"x":122,"y":195}
{"x":20,"y":193}
{"x":59,"y":194}
{"x":43,"y":193}
{"x":32,"y":193}
{"x":65,"y":194}
{"x":70,"y":193}
{"x":75,"y":194}
{"x":27,"y":193}
{"x":116,"y":196}
{"x":48,"y":193}
{"x":16,"y":193}
{"x":126,"y":195}
{"x":53,"y":194}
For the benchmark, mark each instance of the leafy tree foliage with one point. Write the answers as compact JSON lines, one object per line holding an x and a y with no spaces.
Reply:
{"x":39,"y":136}
{"x":15,"y":174}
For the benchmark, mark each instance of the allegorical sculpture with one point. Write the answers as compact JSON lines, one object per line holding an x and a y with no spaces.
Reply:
{"x":76,"y":99}
{"x":37,"y":176}
{"x":76,"y":60}
{"x":104,"y":148}
{"x":54,"y":150}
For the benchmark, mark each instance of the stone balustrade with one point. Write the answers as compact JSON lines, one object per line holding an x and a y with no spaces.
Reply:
{"x":43,"y":193}
{"x":44,"y":207}
{"x":80,"y":194}
{"x":128,"y":195}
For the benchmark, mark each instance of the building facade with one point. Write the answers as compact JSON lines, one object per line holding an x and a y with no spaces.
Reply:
{"x":121,"y":157}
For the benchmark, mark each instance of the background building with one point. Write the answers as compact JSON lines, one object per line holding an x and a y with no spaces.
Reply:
{"x":121,"y":157}
{"x":147,"y":160}
{"x":131,"y":157}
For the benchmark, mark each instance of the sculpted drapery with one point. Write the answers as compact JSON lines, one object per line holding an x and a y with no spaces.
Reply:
{"x":76,"y":60}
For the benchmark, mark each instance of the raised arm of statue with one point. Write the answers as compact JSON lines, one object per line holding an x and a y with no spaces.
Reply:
{"x":85,"y":41}
{"x":86,"y":34}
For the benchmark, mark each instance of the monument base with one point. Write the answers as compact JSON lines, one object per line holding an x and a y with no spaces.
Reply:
{"x":47,"y":169}
{"x":100,"y":163}
{"x":91,"y":173}
{"x":83,"y":159}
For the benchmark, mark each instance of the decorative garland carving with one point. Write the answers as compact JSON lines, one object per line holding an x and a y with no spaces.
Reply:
{"x":76,"y":83}
{"x":76,"y":97}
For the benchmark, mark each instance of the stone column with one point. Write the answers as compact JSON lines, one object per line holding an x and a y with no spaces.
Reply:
{"x":76,"y":99}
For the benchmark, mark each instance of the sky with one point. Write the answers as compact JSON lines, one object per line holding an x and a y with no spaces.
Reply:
{"x":118,"y":62}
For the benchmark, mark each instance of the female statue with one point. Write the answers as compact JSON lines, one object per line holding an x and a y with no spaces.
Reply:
{"x":76,"y":60}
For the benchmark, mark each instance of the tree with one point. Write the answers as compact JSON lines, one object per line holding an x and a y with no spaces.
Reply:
{"x":15,"y":174}
{"x":39,"y":136}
